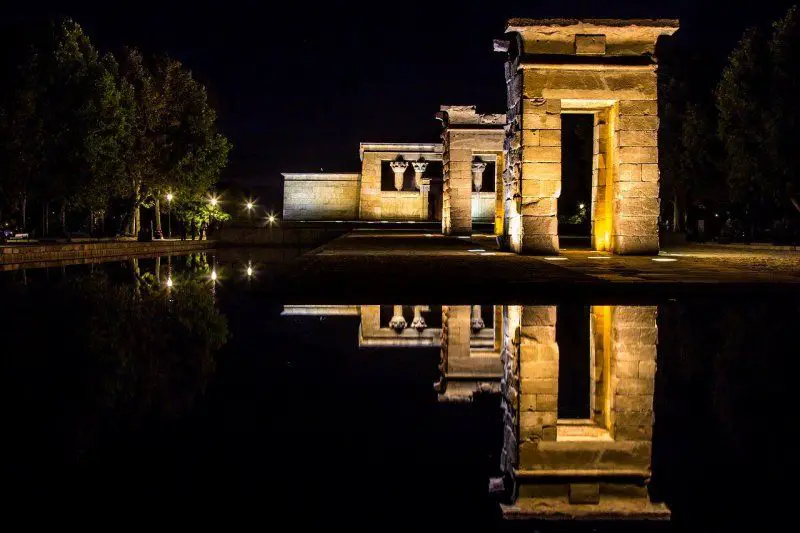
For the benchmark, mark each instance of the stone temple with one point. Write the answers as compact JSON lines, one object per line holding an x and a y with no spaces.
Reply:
{"x":506,"y":169}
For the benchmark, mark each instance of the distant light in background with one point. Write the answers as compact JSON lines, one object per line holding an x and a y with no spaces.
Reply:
{"x":581,"y":206}
{"x":213,"y":275}
{"x":663,"y":259}
{"x":557,"y":258}
{"x":169,"y":197}
{"x":213,"y":200}
{"x":169,"y":282}
{"x":249,"y":206}
{"x":476,"y":250}
{"x":599,"y":257}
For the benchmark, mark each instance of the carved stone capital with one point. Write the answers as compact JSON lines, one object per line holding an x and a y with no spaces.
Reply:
{"x":398,"y":167}
{"x":420,"y":166}
{"x":478,"y":167}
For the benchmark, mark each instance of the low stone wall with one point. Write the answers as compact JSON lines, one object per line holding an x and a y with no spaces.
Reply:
{"x":483,"y":206}
{"x":320,"y":196}
{"x":284,"y":235}
{"x":34,"y":253}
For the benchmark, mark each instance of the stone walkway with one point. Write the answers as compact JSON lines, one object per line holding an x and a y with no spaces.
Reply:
{"x":365,"y":265}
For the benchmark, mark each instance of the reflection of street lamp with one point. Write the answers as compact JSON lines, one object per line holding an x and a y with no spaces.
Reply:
{"x":169,"y":215}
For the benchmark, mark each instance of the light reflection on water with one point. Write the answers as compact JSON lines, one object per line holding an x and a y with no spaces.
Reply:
{"x":179,"y":373}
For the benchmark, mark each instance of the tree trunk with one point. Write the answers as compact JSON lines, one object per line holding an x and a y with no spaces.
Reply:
{"x":157,"y":215}
{"x":63,"y":216}
{"x":677,"y":221}
{"x":24,"y":209}
{"x":137,"y":219}
{"x":158,"y":269}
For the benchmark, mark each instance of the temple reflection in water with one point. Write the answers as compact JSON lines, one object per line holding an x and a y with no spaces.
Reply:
{"x":576,"y":383}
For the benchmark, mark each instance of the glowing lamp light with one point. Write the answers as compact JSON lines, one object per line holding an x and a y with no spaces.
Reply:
{"x":476,"y":250}
{"x":249,"y":270}
{"x":169,"y":196}
{"x":213,"y":201}
{"x":555,"y":258}
{"x":213,"y":275}
{"x":249,"y":206}
{"x":271,"y":219}
{"x":169,"y":282}
{"x":581,"y":206}
{"x":663,"y":259}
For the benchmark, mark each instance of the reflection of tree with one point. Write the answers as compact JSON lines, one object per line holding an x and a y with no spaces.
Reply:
{"x":87,"y":359}
{"x":725,"y":402}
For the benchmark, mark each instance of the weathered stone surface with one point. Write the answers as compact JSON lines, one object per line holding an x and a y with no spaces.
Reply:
{"x":641,"y":403}
{"x":590,"y":44}
{"x":539,"y":315}
{"x":650,"y":173}
{"x":638,"y":138}
{"x":537,"y":370}
{"x":647,"y":336}
{"x":541,"y":171}
{"x":630,"y":189}
{"x":632,"y":386}
{"x":638,"y":107}
{"x":535,"y":188}
{"x":541,"y":207}
{"x":638,"y":154}
{"x":637,"y":123}
{"x":647,"y":369}
{"x":630,"y":245}
{"x":550,"y":137}
{"x":542,"y":154}
{"x":530,"y":138}
{"x":632,"y":207}
{"x":630,"y":172}
{"x":539,"y":244}
{"x":532,"y":225}
{"x":584,"y":493}
{"x":636,"y":226}
{"x":535,"y":121}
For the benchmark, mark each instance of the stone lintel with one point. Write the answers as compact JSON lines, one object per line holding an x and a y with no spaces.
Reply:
{"x":467,"y":115}
{"x":418,"y":148}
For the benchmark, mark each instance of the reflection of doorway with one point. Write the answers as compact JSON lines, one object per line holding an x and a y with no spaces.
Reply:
{"x":574,"y":362}
{"x":574,"y":204}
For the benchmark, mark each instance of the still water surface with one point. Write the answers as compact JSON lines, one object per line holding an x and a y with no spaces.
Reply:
{"x":179,"y":385}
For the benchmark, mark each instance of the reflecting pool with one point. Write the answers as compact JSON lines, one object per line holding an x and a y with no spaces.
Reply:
{"x":181,"y":385}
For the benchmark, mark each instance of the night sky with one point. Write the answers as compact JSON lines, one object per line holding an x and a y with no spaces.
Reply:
{"x":298,"y":85}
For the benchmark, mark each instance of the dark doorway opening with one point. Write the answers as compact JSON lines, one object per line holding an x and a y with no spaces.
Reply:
{"x":575,"y":203}
{"x":574,"y":362}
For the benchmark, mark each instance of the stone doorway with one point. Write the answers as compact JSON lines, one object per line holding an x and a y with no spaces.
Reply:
{"x":574,"y":204}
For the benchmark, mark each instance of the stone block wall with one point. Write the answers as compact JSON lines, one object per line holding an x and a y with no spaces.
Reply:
{"x":457,"y":185}
{"x":636,"y":202}
{"x":375,"y":204}
{"x":483,"y":206}
{"x":320,"y":196}
{"x":634,"y":339}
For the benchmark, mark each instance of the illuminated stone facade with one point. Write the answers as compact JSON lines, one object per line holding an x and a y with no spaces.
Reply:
{"x":601,"y":67}
{"x":469,"y":141}
{"x":473,"y":146}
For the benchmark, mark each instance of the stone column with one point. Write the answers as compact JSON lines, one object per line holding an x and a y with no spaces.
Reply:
{"x":419,"y":169}
{"x":418,"y":323}
{"x":477,"y":323}
{"x":398,"y":322}
{"x":634,"y":338}
{"x":424,"y":192}
{"x":478,"y":167}
{"x":540,"y":184}
{"x":457,"y":183}
{"x":399,"y":168}
{"x":635,"y":182}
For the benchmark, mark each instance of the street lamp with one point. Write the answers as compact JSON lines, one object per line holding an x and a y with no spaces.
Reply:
{"x":169,"y":215}
{"x":249,"y":206}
